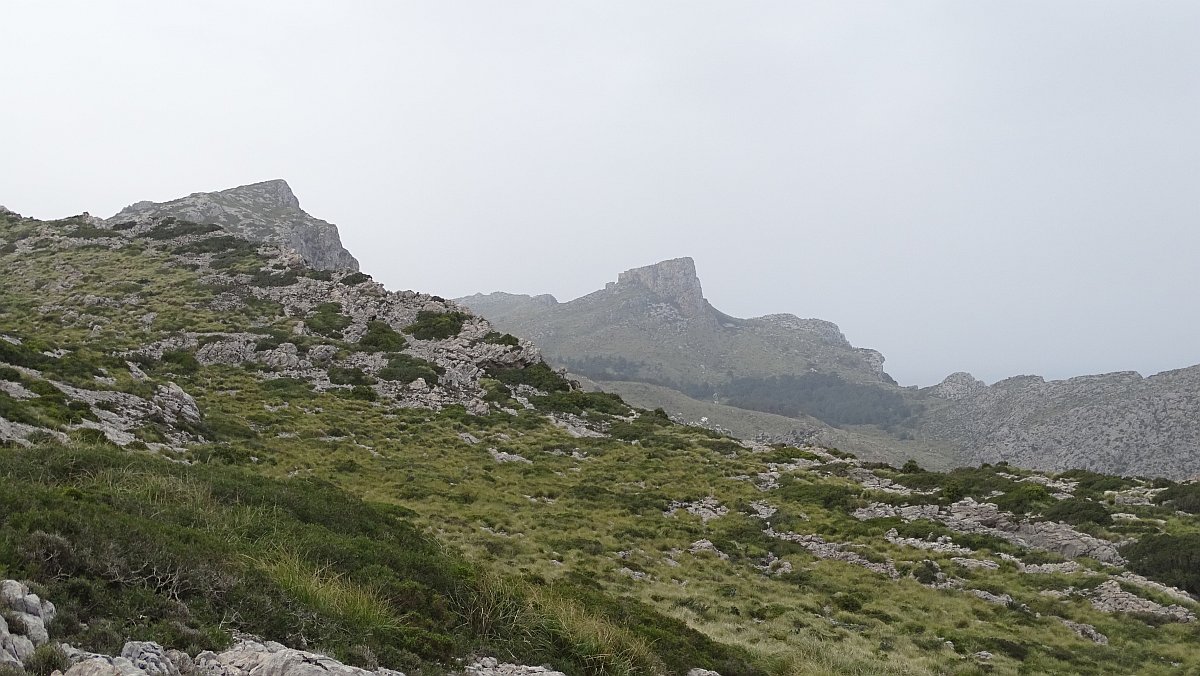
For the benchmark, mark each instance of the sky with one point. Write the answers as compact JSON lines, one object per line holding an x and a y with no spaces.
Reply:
{"x":997,"y":186}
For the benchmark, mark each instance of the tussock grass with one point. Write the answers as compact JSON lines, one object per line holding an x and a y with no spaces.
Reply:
{"x":361,"y":608}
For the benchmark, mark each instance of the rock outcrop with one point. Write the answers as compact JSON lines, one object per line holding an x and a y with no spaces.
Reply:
{"x":261,"y":212}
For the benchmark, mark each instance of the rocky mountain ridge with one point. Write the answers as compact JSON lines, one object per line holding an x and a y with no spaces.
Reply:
{"x":654,"y":327}
{"x":1117,"y":422}
{"x":651,"y":314}
{"x":262,"y":212}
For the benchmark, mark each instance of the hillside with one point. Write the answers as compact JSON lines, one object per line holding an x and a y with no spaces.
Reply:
{"x":205,"y":438}
{"x":654,"y":327}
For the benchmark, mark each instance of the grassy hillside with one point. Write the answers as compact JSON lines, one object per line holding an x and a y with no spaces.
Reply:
{"x":384,"y":477}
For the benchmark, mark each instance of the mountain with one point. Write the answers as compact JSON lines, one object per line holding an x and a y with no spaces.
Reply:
{"x":1117,"y":422}
{"x":219,"y":460}
{"x":654,"y":325}
{"x":260,"y":212}
{"x":651,"y":336}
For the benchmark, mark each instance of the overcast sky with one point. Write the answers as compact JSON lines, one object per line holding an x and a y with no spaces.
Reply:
{"x":1002,"y":187}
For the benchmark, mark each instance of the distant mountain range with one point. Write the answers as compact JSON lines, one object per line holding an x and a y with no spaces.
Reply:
{"x":652,"y":335}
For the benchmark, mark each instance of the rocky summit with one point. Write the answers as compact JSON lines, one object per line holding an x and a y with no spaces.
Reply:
{"x":653,"y":338}
{"x":219,"y":459}
{"x":261,"y":212}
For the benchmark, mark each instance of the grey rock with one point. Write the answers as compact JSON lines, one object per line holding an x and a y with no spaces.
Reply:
{"x":262,"y":212}
{"x":96,"y":666}
{"x":150,"y":658}
{"x":177,"y":403}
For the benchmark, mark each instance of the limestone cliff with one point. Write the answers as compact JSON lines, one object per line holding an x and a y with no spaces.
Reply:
{"x":263,"y":212}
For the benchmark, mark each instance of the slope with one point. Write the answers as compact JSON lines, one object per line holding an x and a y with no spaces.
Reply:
{"x":306,"y":411}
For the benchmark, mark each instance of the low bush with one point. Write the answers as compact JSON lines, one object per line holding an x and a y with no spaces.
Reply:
{"x":380,"y":337}
{"x":1183,"y":497}
{"x":1078,"y":511}
{"x":437,"y":325}
{"x":1170,"y":559}
{"x":328,"y":320}
{"x":169,"y":228}
{"x":580,"y":403}
{"x":404,"y":368}
{"x":539,"y":376}
{"x":497,"y":338}
{"x":355,"y":278}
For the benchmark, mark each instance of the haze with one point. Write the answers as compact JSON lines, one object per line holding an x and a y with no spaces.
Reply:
{"x":1000,"y":187}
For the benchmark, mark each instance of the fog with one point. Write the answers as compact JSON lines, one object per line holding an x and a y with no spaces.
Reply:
{"x":1003,"y":187}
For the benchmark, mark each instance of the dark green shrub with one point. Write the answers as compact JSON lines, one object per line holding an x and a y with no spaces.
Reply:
{"x":288,"y":388}
{"x":180,"y":362}
{"x":926,"y":572}
{"x":1183,"y":497}
{"x":1023,"y":499}
{"x":403,"y":368}
{"x":497,"y":338}
{"x":1078,"y":511}
{"x":581,"y":402}
{"x":380,"y":337}
{"x":539,"y":376}
{"x":89,"y":231}
{"x":1092,"y":484}
{"x":328,"y":320}
{"x":220,"y":243}
{"x":46,"y":660}
{"x":169,"y":228}
{"x":1170,"y":559}
{"x":355,"y":278}
{"x":827,"y":495}
{"x":349,"y":376}
{"x":437,"y":325}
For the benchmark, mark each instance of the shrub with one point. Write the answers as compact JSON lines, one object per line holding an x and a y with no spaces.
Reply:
{"x":497,"y":338}
{"x":1093,"y":484}
{"x":1024,"y":499}
{"x":1183,"y":497}
{"x":1170,"y":559}
{"x":169,"y":228}
{"x":180,"y":362}
{"x":538,"y":376}
{"x":1078,"y":511}
{"x":46,"y":660}
{"x":827,"y":495}
{"x":328,"y":320}
{"x":349,"y":376}
{"x":380,"y":337}
{"x":405,"y":369}
{"x":355,"y":278}
{"x":579,"y":403}
{"x":437,"y":325}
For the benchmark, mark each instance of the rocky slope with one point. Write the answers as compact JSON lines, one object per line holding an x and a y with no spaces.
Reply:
{"x":261,"y":212}
{"x":653,"y":328}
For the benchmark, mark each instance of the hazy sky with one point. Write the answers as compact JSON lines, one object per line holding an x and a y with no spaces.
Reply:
{"x":1002,"y":187}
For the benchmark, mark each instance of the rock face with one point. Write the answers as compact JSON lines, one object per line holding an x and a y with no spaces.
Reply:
{"x":261,"y":212}
{"x":675,"y":280}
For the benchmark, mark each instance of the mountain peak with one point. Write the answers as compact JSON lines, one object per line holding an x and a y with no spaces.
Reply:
{"x":673,"y":280}
{"x":275,"y":192}
{"x":267,"y":211}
